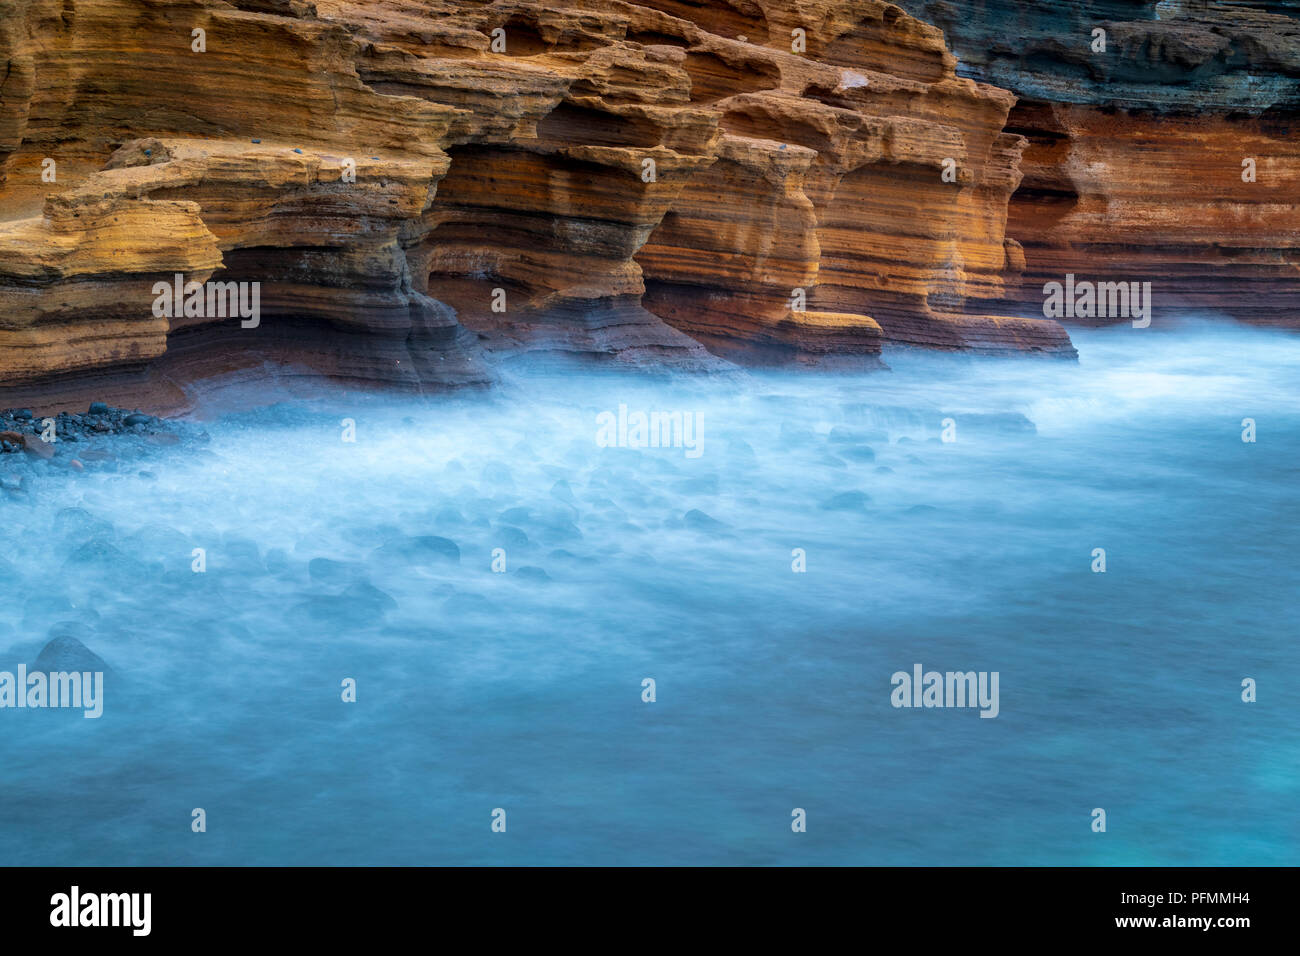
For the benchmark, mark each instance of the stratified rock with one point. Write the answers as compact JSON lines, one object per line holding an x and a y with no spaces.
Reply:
{"x":626,"y":182}
{"x":1134,"y":169}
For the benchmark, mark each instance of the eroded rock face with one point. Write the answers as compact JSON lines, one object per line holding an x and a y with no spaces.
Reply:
{"x":1137,"y":164}
{"x":665,"y":183}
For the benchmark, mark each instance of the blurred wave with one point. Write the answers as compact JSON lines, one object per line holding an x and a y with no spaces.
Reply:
{"x":372,"y":559}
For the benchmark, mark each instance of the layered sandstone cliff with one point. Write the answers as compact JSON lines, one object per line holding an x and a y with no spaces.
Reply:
{"x":1168,"y":153}
{"x":424,"y":188}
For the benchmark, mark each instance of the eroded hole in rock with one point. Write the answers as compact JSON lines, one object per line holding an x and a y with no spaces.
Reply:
{"x":652,"y":38}
{"x":525,"y":36}
{"x":713,"y":78}
{"x":784,"y":129}
{"x":487,"y":248}
{"x":1046,"y":194}
{"x":572,"y":125}
{"x":829,"y":97}
{"x":725,"y":18}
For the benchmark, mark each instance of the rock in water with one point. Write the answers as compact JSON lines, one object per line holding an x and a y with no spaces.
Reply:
{"x":697,"y":520}
{"x":34,"y":446}
{"x":66,"y":653}
{"x":421,"y":549}
{"x":847,"y":501}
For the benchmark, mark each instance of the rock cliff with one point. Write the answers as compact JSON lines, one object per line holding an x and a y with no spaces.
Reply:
{"x":1162,"y":145}
{"x":421,"y":190}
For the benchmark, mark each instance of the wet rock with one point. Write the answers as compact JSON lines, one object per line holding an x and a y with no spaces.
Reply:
{"x":360,"y":605}
{"x":793,"y":435}
{"x":425,"y":548}
{"x":34,"y":446}
{"x":67,"y":653}
{"x":97,"y":408}
{"x":449,"y":516}
{"x":78,"y":524}
{"x":497,"y":475}
{"x":993,"y":423}
{"x":740,"y":449}
{"x":368,"y":596}
{"x":697,"y":520}
{"x":97,"y":553}
{"x":329,"y":571}
{"x":842,"y":435}
{"x":466,"y":603}
{"x":555,"y":527}
{"x":858,"y":453}
{"x":560,"y":554}
{"x":561,"y":491}
{"x":240,"y":554}
{"x":508,"y":536}
{"x":165,"y":544}
{"x":847,"y":501}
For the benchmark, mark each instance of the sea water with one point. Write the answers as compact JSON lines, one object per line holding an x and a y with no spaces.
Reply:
{"x":496,"y":585}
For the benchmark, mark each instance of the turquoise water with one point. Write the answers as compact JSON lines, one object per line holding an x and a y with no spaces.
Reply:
{"x":522,"y":690}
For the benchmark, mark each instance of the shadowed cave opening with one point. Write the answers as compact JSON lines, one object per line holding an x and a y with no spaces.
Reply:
{"x":572,"y":125}
{"x":524,"y":37}
{"x":725,"y":18}
{"x":1046,"y":194}
{"x":713,"y":78}
{"x":654,"y":38}
{"x":754,"y":122}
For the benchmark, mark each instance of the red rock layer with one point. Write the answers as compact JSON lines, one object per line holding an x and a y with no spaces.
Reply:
{"x":621,"y":181}
{"x":1117,"y":196}
{"x":1134,"y":169}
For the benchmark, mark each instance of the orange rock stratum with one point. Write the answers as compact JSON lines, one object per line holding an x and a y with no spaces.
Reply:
{"x":422,"y":190}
